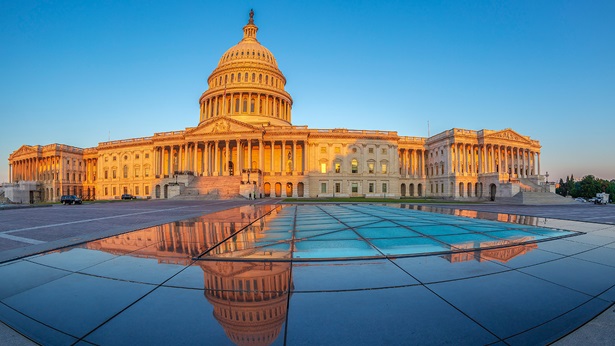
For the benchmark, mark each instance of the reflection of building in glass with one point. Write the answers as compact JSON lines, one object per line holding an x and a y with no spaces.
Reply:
{"x":497,"y":250}
{"x":249,"y":298}
{"x":177,"y":242}
{"x":483,"y":215}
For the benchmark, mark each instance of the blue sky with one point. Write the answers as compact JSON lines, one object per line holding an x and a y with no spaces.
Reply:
{"x":81,"y":72}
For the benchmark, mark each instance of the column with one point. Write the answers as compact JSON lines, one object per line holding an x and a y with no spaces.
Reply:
{"x":228,"y":158}
{"x":216,"y":163}
{"x":169,"y":154}
{"x":282,"y":160}
{"x":294,"y":158}
{"x":250,"y":154}
{"x":261,"y":153}
{"x":538,"y":154}
{"x":481,"y":160}
{"x":457,"y":161}
{"x":518,"y":163}
{"x":465,"y":159}
{"x":505,"y":159}
{"x":422,"y":163}
{"x":272,"y":156}
{"x":206,"y":158}
{"x":414,"y":158}
{"x":195,"y":161}
{"x":240,"y":156}
{"x":180,"y":155}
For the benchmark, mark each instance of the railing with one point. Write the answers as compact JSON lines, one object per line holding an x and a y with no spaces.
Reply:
{"x":251,"y":170}
{"x":363,"y":132}
{"x":124,"y":141}
{"x":169,"y":133}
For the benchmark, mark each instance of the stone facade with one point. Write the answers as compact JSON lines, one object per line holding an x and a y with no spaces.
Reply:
{"x":245,"y":144}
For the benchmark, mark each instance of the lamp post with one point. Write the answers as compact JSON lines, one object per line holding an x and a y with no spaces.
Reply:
{"x":547,"y":175}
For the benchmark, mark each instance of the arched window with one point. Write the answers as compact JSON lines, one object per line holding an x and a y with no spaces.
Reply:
{"x":232,"y":77}
{"x":252,"y":102}
{"x":260,"y":78}
{"x":236,"y":105}
{"x":239,"y":77}
{"x":246,"y":76}
{"x":253,"y":77}
{"x":266,"y":79}
{"x":125,"y":171}
{"x":354,"y":166}
{"x":245,"y":105}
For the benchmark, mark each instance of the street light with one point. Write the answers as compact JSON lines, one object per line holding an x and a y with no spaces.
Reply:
{"x":547,"y":175}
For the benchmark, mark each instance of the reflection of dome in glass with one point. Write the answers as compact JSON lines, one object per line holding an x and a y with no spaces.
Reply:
{"x":249,"y":299}
{"x":247,"y":85}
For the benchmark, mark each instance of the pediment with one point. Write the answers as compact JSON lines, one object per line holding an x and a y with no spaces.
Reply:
{"x":24,"y":150}
{"x":509,"y":135}
{"x":222,"y":125}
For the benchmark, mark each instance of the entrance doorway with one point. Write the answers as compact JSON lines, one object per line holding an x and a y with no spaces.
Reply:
{"x":492,"y":192}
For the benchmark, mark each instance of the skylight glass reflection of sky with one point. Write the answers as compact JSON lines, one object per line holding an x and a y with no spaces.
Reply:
{"x":318,"y":232}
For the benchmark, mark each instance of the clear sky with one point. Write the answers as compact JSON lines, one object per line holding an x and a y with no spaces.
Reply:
{"x":83,"y":72}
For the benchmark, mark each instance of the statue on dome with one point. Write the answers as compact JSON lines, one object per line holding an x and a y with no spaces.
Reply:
{"x":251,"y":21}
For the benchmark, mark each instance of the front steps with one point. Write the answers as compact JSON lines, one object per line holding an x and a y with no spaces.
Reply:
{"x":212,"y":187}
{"x":535,"y":198}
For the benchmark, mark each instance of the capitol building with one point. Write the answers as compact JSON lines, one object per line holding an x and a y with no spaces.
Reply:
{"x":244,"y":144}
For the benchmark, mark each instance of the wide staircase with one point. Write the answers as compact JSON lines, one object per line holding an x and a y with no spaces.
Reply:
{"x":529,"y":185}
{"x":219,"y":187}
{"x":535,"y":198}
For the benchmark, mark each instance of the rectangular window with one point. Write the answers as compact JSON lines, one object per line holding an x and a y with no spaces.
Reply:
{"x":384,"y":168}
{"x":384,"y":187}
{"x":147,"y":172}
{"x":136,"y":190}
{"x":323,"y":150}
{"x":355,"y":187}
{"x":136,"y":156}
{"x":370,"y":167}
{"x":371,"y":187}
{"x":323,"y":168}
{"x":114,"y":175}
{"x":147,"y":156}
{"x":338,"y":167}
{"x":114,"y":191}
{"x":136,"y":172}
{"x":338,"y":150}
{"x":370,"y":150}
{"x":146,"y":190}
{"x":384,"y":150}
{"x":323,"y":187}
{"x":125,"y":190}
{"x":106,"y":191}
{"x":338,"y":187}
{"x":106,"y":176}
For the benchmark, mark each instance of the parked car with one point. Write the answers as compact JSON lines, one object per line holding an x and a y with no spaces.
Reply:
{"x":127,"y":196}
{"x":580,"y":199}
{"x":70,"y":199}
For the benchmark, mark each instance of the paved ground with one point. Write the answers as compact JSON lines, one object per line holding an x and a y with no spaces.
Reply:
{"x":27,"y":231}
{"x":30,"y":231}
